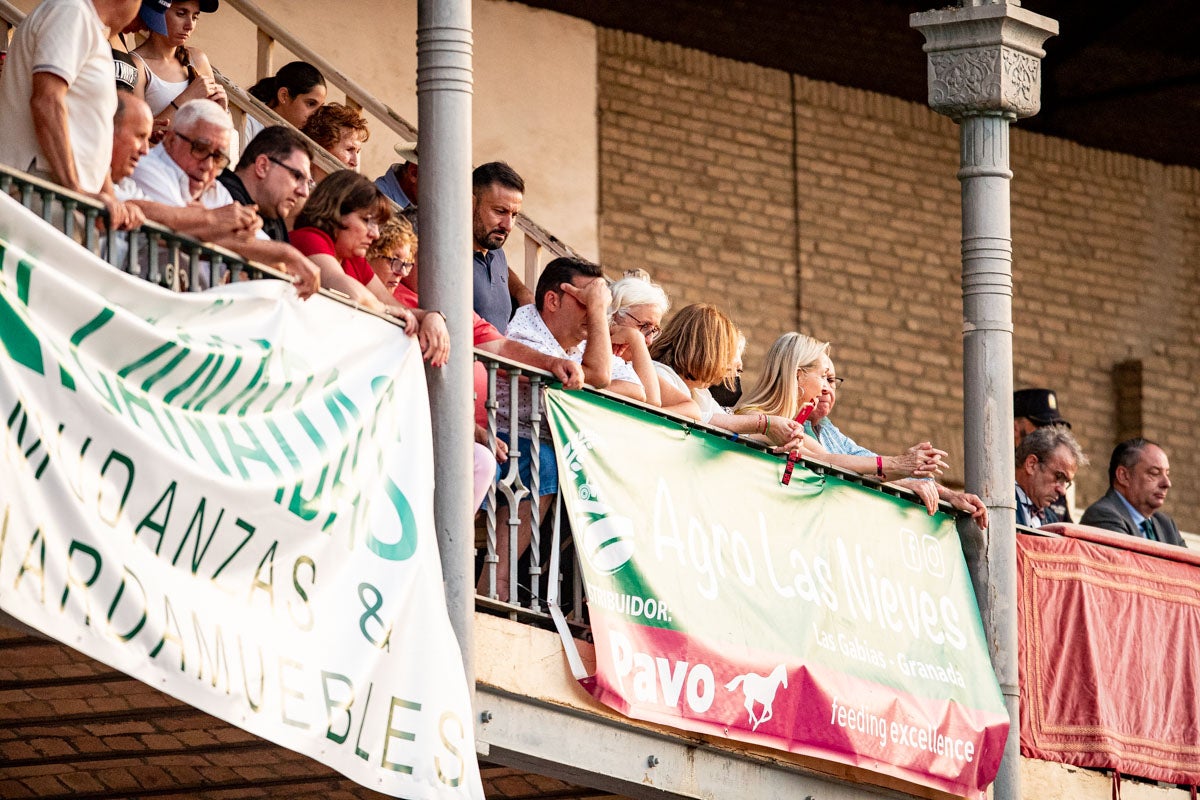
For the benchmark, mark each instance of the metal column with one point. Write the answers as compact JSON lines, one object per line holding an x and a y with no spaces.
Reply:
{"x":984,"y":71}
{"x":444,"y":88}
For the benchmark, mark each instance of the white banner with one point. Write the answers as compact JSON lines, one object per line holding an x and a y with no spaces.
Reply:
{"x":228,"y":495}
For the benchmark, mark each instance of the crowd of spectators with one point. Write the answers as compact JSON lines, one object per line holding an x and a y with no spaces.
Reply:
{"x":148,"y":133}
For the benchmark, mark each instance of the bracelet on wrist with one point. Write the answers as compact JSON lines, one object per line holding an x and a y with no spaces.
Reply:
{"x":879,"y":467}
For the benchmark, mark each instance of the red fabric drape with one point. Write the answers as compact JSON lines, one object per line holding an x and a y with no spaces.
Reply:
{"x":1110,"y":654}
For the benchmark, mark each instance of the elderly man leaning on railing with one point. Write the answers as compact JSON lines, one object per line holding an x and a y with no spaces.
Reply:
{"x":182,"y":169}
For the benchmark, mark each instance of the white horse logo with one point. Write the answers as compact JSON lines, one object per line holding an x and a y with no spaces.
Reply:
{"x":761,"y":690}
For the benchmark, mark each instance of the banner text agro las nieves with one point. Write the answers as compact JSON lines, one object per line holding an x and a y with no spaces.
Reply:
{"x":714,"y":553}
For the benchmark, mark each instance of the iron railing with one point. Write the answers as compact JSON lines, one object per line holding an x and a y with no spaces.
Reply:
{"x":545,"y":573}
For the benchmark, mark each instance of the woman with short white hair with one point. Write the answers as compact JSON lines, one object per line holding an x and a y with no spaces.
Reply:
{"x":635,"y":319}
{"x":635,"y":323}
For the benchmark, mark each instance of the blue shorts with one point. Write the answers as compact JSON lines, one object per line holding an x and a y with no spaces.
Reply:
{"x":547,"y":466}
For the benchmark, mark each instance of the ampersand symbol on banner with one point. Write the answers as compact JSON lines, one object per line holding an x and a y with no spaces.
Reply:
{"x":372,"y":607}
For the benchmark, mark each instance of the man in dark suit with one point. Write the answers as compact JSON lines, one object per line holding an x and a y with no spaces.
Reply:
{"x":1047,"y":459}
{"x":1139,"y":476}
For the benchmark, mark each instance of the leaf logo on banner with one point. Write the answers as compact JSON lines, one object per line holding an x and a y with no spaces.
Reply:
{"x":606,"y":541}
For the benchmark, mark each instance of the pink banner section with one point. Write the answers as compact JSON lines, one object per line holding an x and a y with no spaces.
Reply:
{"x":667,"y":677}
{"x":1109,"y":664}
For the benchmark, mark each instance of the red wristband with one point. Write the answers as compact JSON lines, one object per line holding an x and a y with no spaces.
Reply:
{"x":879,"y":467}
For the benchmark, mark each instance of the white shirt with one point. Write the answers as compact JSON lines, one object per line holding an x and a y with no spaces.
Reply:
{"x":164,"y":181}
{"x":528,"y":328}
{"x":127,"y":189}
{"x":250,"y":128}
{"x":64,"y":38}
{"x":703,"y":397}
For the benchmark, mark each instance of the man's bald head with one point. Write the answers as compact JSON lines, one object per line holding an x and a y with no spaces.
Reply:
{"x":132,"y":126}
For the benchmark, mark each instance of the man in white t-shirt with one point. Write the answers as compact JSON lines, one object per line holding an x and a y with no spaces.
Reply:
{"x":181,"y":171}
{"x":58,"y":96}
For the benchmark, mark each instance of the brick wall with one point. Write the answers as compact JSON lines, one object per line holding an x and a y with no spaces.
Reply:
{"x":799,"y":204}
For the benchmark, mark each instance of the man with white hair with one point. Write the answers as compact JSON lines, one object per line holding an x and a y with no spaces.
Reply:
{"x":132,"y":127}
{"x":181,"y":171}
{"x":183,"y":167}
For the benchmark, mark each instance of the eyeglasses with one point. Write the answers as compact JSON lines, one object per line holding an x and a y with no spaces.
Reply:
{"x":834,"y":381}
{"x":368,"y":220}
{"x":648,"y":329}
{"x":1060,"y":478}
{"x":296,"y":174}
{"x":400,"y":266}
{"x":202,"y":151}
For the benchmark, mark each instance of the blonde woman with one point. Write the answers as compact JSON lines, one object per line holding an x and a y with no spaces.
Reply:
{"x":696,"y":349}
{"x":794,"y":378}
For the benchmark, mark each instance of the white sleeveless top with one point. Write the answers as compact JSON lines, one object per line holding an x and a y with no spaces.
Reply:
{"x":160,"y":93}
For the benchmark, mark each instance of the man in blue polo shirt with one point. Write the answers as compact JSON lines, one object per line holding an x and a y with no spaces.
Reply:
{"x":497,"y":190}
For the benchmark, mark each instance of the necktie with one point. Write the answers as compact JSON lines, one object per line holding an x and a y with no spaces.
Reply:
{"x":1147,"y":527}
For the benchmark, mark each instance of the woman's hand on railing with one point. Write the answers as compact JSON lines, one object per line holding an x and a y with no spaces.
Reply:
{"x":926,"y":490}
{"x":404,"y":315}
{"x":434,"y":339}
{"x":965,"y":501}
{"x":922,"y":460}
{"x":786,"y":434}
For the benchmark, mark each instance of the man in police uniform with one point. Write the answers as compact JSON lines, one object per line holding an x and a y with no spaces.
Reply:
{"x":1033,"y":409}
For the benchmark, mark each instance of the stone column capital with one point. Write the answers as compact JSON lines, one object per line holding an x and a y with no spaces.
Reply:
{"x":985,"y":59}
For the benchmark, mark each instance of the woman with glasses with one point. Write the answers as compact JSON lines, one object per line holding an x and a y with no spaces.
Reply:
{"x":794,"y":380}
{"x":339,"y":222}
{"x":838,"y":443}
{"x":393,"y":257}
{"x":634,"y":316}
{"x":172,"y":72}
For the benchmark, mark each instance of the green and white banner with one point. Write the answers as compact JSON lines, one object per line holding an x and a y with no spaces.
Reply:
{"x":817,"y":617}
{"x":228,"y":495}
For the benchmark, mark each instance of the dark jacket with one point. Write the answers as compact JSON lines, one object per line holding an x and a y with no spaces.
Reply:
{"x":273,"y":227}
{"x":1109,"y":512}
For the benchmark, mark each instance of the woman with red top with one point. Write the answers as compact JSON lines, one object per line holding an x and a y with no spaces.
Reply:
{"x":339,"y":222}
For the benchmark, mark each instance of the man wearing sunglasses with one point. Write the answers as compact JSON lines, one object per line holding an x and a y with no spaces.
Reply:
{"x":181,"y":171}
